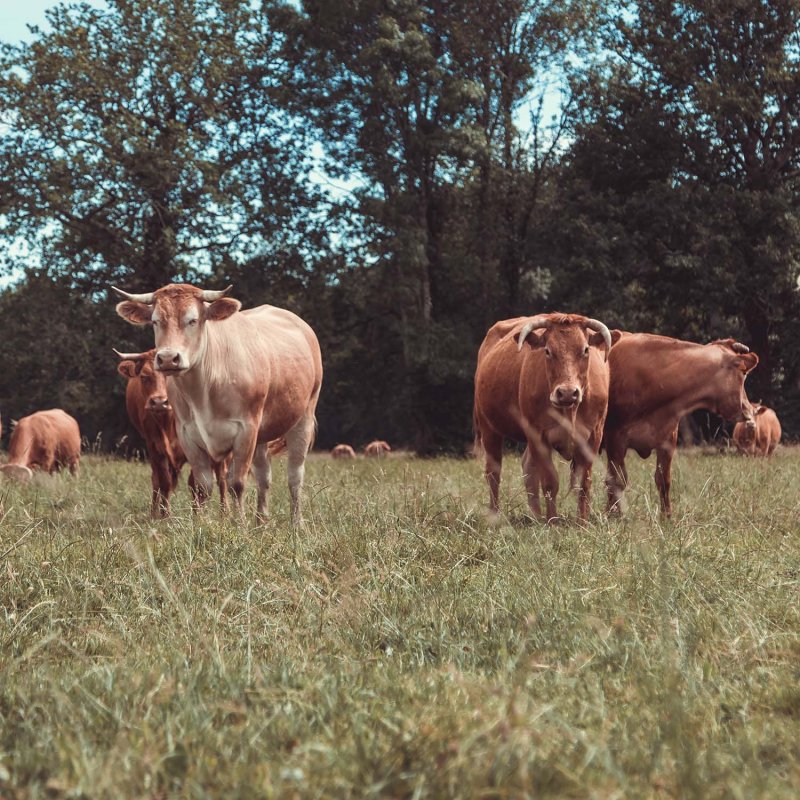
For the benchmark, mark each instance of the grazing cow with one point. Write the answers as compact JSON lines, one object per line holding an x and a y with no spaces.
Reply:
{"x":343,"y":451}
{"x":761,"y":439}
{"x":543,"y":380}
{"x":377,"y":449}
{"x":238,"y":379}
{"x":45,"y":440}
{"x":656,"y":380}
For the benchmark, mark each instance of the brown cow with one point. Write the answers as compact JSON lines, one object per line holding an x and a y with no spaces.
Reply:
{"x":656,"y":380}
{"x":343,"y":451}
{"x":151,"y":414}
{"x":237,"y":381}
{"x":762,"y":439}
{"x":543,"y":380}
{"x":377,"y":449}
{"x":45,"y":440}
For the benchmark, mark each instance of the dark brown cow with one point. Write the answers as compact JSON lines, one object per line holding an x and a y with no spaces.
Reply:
{"x":343,"y":451}
{"x":151,"y":414}
{"x":656,"y":380}
{"x":237,"y":380}
{"x":761,"y":439}
{"x":544,"y":381}
{"x":377,"y":449}
{"x":45,"y":440}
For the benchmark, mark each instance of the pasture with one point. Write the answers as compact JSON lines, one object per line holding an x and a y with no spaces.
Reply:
{"x":399,"y":645}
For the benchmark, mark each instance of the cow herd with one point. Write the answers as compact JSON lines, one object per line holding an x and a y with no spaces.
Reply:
{"x":225,"y":389}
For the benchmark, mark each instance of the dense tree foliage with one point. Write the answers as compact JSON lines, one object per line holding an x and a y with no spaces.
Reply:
{"x":636,"y":161}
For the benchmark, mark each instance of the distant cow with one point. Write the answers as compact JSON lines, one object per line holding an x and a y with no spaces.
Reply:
{"x":343,"y":451}
{"x":656,"y":380}
{"x":543,"y":380}
{"x":762,"y":439}
{"x":237,"y":380}
{"x":45,"y":440}
{"x":377,"y":449}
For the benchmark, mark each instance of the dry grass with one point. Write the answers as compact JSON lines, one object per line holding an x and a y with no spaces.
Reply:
{"x":399,"y":646}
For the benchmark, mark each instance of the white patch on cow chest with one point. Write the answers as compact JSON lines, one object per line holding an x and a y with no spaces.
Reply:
{"x":213,"y":434}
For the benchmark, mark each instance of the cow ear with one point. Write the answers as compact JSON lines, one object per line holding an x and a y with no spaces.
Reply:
{"x":747,"y":362}
{"x":760,"y":410}
{"x":222,"y":309}
{"x":127,"y":369}
{"x":134,"y":312}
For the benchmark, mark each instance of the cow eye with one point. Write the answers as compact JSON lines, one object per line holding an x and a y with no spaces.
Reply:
{"x":155,"y":323}
{"x":192,"y":322}
{"x":586,"y":350}
{"x":547,"y":352}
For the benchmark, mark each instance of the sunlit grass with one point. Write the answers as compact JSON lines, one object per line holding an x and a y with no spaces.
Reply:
{"x":399,"y":645}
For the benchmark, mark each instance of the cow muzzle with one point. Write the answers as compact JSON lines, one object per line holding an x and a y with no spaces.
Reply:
{"x":158,"y":404}
{"x":168,"y":360}
{"x":566,"y":396}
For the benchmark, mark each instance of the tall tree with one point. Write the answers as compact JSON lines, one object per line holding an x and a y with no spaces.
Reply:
{"x":686,"y":165}
{"x":147,"y":137}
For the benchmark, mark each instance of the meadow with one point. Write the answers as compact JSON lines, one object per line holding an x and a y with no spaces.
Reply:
{"x":400,"y":645}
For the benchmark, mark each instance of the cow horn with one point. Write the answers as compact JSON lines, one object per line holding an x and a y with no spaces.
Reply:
{"x":738,"y":347}
{"x":542,"y":321}
{"x":147,"y":299}
{"x":210,"y":295}
{"x":596,"y":325}
{"x":130,"y":356}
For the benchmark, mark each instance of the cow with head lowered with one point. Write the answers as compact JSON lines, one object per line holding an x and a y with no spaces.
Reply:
{"x":236,"y":381}
{"x":762,"y":438}
{"x":656,"y":380}
{"x":46,"y":441}
{"x":543,"y":380}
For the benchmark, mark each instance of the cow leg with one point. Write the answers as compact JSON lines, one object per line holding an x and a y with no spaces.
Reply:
{"x":663,"y":476}
{"x":221,"y":472}
{"x":550,"y":487}
{"x":243,"y":451}
{"x":580,"y":475}
{"x":201,"y":477}
{"x":262,"y":472}
{"x":161,"y":481}
{"x":531,"y":480}
{"x":298,"y":442}
{"x":616,"y":477}
{"x":493,"y":464}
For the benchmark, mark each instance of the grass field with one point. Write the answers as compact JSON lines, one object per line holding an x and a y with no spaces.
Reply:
{"x":400,"y":646}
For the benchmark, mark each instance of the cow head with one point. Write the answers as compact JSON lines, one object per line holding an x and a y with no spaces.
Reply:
{"x":178,"y":314}
{"x":152,"y":383}
{"x":730,"y":400}
{"x":567,"y":340}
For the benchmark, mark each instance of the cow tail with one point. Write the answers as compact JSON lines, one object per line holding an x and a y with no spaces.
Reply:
{"x":477,"y":446}
{"x":313,"y":434}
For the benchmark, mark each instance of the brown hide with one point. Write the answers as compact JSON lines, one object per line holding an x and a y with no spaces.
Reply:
{"x":517,"y":397}
{"x":238,"y":380}
{"x":343,"y":451}
{"x":656,"y":380}
{"x":45,"y":440}
{"x":762,"y":439}
{"x":152,"y":416}
{"x":377,"y":449}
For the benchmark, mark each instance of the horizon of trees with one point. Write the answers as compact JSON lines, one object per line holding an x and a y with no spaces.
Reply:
{"x":184,"y":140}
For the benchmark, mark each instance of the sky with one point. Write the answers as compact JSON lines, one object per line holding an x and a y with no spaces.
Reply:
{"x":16,"y":15}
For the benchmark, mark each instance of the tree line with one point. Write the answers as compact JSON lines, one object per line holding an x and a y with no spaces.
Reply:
{"x":401,"y":174}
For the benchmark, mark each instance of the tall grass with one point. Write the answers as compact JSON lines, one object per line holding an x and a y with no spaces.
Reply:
{"x":399,"y":645}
